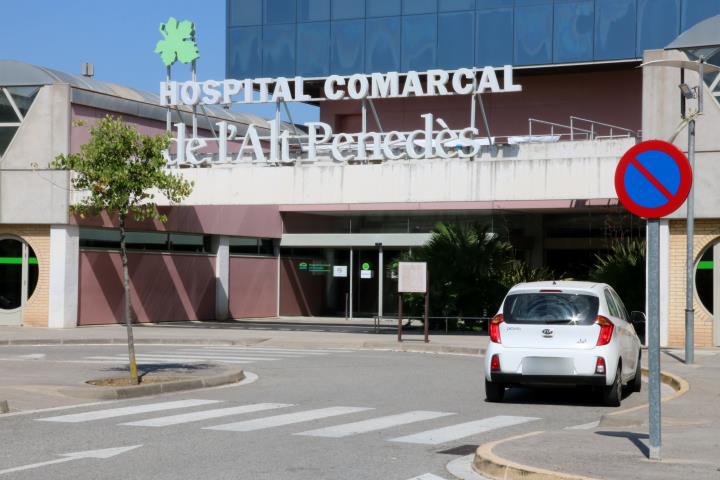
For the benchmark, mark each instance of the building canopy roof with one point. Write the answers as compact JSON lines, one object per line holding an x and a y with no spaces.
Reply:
{"x":704,"y":35}
{"x":15,"y":73}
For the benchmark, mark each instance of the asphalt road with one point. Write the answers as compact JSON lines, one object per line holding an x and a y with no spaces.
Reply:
{"x":394,"y":416}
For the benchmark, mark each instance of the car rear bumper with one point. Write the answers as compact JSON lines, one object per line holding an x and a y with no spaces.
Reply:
{"x":596,"y":380}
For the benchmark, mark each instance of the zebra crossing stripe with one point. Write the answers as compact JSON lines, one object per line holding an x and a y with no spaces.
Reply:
{"x":165,"y":359}
{"x":348,"y":429}
{"x":122,"y":411}
{"x":427,"y":476}
{"x":286,"y":350}
{"x":461,"y":430}
{"x":241,"y":352}
{"x":205,"y":415}
{"x":287,"y":419}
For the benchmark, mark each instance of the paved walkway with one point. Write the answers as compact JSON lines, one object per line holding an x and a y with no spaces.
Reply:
{"x":336,"y":333}
{"x":618,"y":447}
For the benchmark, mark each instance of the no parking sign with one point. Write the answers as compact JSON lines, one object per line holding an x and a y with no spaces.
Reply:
{"x":653,"y":179}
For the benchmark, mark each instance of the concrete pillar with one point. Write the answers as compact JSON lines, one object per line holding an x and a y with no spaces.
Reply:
{"x":221,"y":247}
{"x":64,"y":275}
{"x":534,"y":229}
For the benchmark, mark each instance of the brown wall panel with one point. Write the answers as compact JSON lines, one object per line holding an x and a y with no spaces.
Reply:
{"x":253,"y":287}
{"x":301,"y":293}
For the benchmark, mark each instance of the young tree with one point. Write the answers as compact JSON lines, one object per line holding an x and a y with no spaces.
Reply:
{"x":121,"y":171}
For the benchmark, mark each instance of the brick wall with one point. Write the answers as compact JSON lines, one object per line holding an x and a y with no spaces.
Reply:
{"x":36,"y":310}
{"x":706,"y":233}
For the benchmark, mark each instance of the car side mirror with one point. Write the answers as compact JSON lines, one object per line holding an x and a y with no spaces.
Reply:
{"x":637,"y":318}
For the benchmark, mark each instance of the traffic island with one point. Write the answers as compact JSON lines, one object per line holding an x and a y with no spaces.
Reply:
{"x":115,"y":388}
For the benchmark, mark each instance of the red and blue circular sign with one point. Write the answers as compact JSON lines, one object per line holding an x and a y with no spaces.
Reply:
{"x":653,"y":179}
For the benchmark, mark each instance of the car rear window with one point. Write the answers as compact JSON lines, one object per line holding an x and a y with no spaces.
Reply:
{"x":551,"y":308}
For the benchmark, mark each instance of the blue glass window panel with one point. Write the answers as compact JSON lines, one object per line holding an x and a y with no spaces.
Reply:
{"x":383,"y":8}
{"x":482,"y":4}
{"x":494,"y":37}
{"x":382,"y":47}
{"x":694,"y":11}
{"x":455,"y":40}
{"x":533,"y":34}
{"x":615,"y":27}
{"x":455,"y":5}
{"x":347,"y":41}
{"x":573,"y":37}
{"x":244,"y":12}
{"x":280,"y":11}
{"x":279,"y":50}
{"x":419,"y":42}
{"x":243,"y":52}
{"x":313,"y":10}
{"x":412,"y":7}
{"x":658,"y":23}
{"x":342,"y":9}
{"x":313,"y":53}
{"x":533,"y":2}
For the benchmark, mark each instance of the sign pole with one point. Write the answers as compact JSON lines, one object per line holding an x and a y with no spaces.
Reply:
{"x":653,"y":325}
{"x":689,"y":309}
{"x":427,"y":307}
{"x":399,"y":317}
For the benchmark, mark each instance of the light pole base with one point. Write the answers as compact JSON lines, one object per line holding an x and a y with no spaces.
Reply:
{"x":654,"y":453}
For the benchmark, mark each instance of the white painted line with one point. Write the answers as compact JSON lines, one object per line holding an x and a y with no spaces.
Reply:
{"x":319,"y":351}
{"x":206,"y":415}
{"x":69,"y":457}
{"x":461,"y":430}
{"x":193,"y":356}
{"x":147,"y":359}
{"x":427,"y":476}
{"x":584,"y":426}
{"x":238,"y":352}
{"x":462,"y":468}
{"x":340,"y":431}
{"x":122,"y":411}
{"x":287,"y":419}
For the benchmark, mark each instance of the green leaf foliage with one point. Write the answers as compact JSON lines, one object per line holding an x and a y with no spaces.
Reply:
{"x":465,"y":264}
{"x":122,"y":171}
{"x":623,"y":268}
{"x":517,"y":271}
{"x":178,"y":42}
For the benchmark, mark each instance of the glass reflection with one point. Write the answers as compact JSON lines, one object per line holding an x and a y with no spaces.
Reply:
{"x":348,"y":9}
{"x":243,"y":60}
{"x":494,"y":37}
{"x":313,"y":10}
{"x":455,"y":40}
{"x":658,"y":23}
{"x":244,"y":12}
{"x":419,"y":42}
{"x":533,"y":34}
{"x":313,"y":52}
{"x":280,"y":11}
{"x":573,"y":38}
{"x":615,"y":29}
{"x":383,"y":44}
{"x":347,"y":46}
{"x":278,"y":50}
{"x":383,"y":8}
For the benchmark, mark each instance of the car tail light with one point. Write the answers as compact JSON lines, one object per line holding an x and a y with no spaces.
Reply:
{"x":606,"y":330}
{"x":600,"y":365}
{"x":495,"y":363}
{"x":495,"y":327}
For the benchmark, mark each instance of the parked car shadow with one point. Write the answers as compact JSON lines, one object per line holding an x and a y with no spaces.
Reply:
{"x":570,"y":396}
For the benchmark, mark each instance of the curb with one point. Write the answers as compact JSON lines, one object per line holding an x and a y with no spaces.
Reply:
{"x":119,"y":393}
{"x":403,"y":347}
{"x":487,"y":463}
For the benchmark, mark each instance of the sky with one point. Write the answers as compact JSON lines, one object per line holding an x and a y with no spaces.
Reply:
{"x":119,"y":38}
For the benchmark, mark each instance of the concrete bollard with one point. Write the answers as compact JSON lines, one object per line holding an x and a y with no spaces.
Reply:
{"x":4,"y":406}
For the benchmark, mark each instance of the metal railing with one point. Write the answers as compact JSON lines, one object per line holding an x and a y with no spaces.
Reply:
{"x":626,"y":132}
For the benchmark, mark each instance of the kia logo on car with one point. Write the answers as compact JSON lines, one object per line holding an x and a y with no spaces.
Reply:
{"x":547,"y":332}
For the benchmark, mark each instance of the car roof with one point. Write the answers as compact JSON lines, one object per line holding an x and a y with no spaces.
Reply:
{"x":593,"y":287}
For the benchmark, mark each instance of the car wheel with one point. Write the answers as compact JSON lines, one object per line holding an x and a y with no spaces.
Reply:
{"x":637,"y":381}
{"x":494,"y":392}
{"x":612,"y":395}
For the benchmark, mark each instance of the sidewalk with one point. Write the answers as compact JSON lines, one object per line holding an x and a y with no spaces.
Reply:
{"x":319,"y":333}
{"x":618,"y":447}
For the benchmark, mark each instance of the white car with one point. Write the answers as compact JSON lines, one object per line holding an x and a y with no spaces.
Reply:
{"x":563,"y":333}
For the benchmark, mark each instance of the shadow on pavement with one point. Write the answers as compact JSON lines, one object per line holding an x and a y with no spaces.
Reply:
{"x":573,"y":396}
{"x":635,"y":438}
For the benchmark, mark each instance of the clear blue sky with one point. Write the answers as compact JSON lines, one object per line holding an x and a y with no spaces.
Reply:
{"x":118,"y":37}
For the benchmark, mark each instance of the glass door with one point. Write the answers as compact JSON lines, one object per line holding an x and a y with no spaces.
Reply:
{"x":707,"y":286}
{"x":18,"y":271}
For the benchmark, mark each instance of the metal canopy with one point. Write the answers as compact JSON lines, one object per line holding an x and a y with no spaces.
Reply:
{"x":687,"y":64}
{"x":703,"y":34}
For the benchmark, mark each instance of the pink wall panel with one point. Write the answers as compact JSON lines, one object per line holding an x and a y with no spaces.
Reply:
{"x":253,"y":287}
{"x":164,"y":287}
{"x":301,"y":294}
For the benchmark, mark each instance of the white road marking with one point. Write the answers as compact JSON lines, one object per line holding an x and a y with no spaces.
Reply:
{"x":380,"y":423}
{"x":212,"y":356}
{"x":162,"y":360}
{"x":122,"y":411}
{"x":239,"y":352}
{"x":584,"y":426}
{"x":68,"y":457}
{"x":278,"y":349}
{"x":461,"y":430}
{"x":206,"y":415}
{"x":287,"y":419}
{"x":427,"y":476}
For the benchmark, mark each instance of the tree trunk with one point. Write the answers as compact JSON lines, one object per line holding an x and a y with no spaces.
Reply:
{"x":128,"y":308}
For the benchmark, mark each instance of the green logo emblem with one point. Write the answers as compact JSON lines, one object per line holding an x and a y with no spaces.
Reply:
{"x":366,"y":266}
{"x":178,"y":42}
{"x":303,"y":266}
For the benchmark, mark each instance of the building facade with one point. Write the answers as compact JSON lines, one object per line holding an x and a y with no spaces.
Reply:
{"x":302,"y":236}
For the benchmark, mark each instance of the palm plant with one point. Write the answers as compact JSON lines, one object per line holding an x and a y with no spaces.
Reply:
{"x":623,"y":268}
